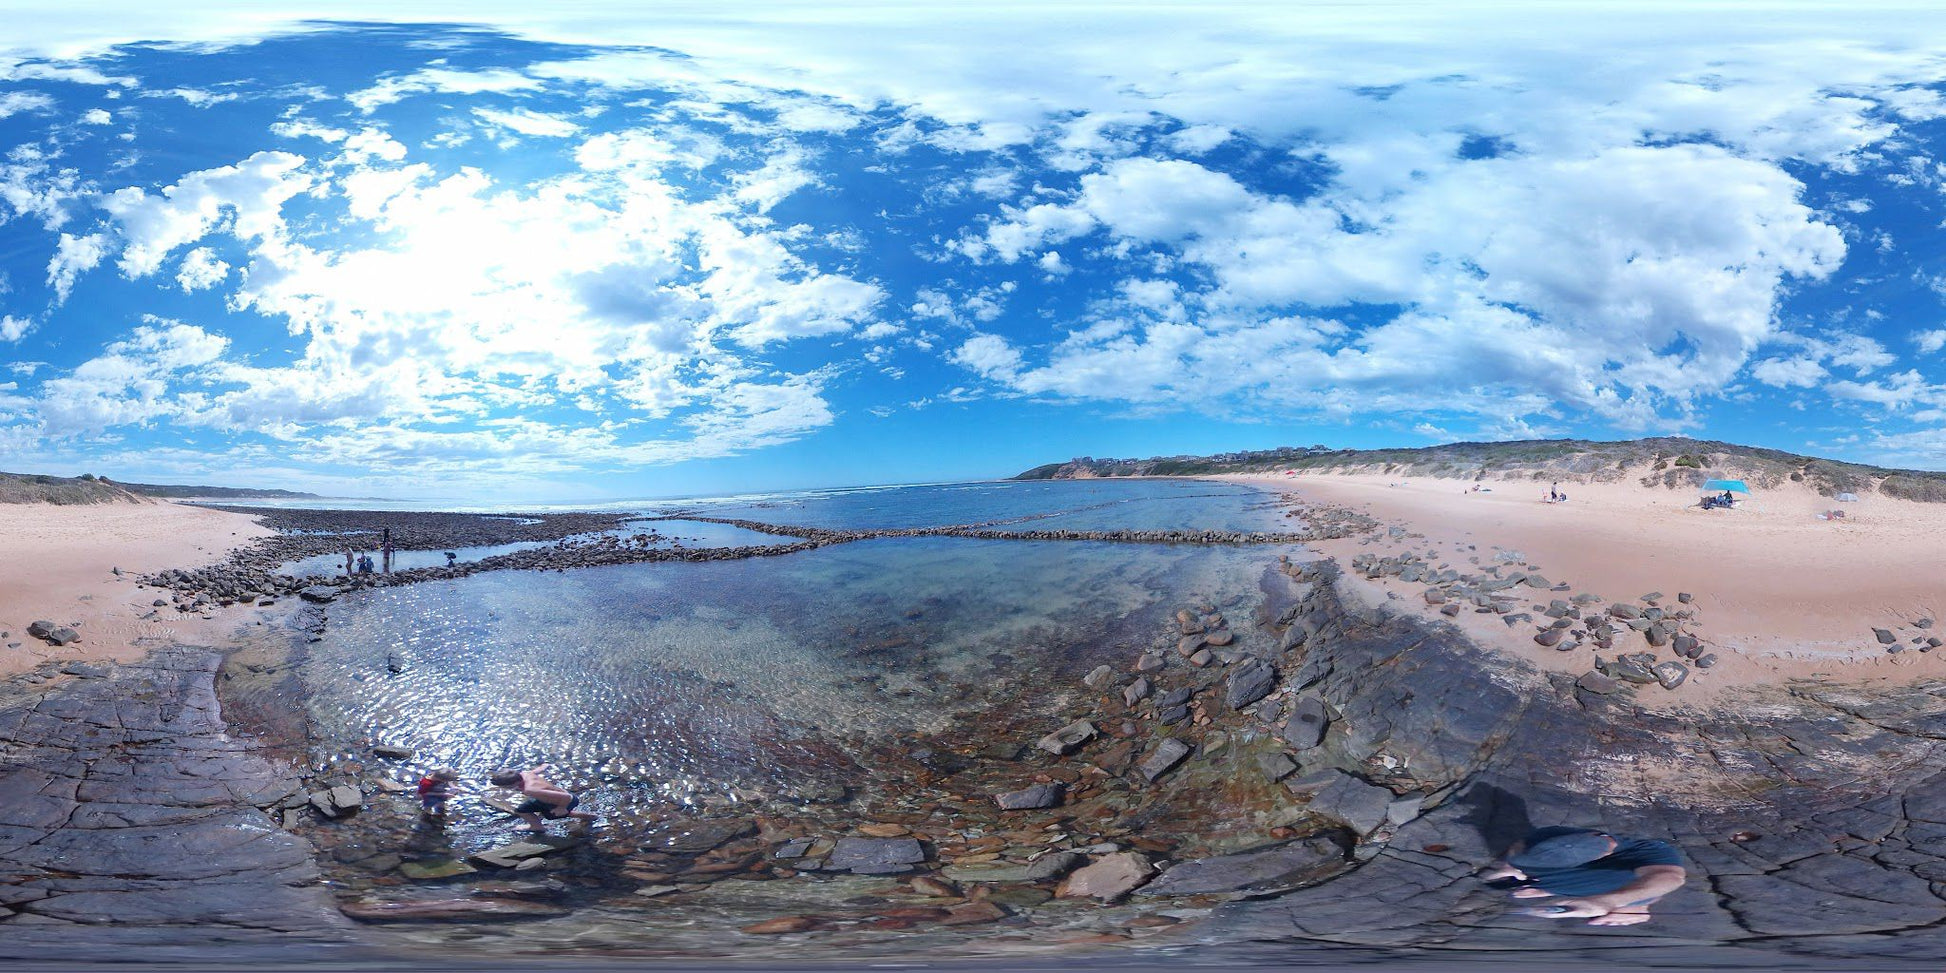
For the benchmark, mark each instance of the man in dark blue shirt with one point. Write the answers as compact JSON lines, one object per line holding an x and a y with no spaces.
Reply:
{"x":1607,"y":880}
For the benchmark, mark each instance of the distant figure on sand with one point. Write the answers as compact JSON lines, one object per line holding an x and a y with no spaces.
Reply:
{"x":545,"y":799}
{"x":435,"y":789}
{"x":450,"y":558}
{"x":1607,"y":880}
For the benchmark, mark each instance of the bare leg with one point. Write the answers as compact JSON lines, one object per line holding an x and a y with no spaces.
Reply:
{"x":1627,"y":915}
{"x":533,"y":822}
{"x":1530,"y":893}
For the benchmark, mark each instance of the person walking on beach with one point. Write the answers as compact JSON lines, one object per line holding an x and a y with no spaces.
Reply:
{"x":348,"y":568}
{"x":435,"y":789}
{"x":545,"y":799}
{"x":1607,"y":880}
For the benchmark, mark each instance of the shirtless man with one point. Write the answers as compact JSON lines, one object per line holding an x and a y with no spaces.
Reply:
{"x":545,"y":799}
{"x":1607,"y":880}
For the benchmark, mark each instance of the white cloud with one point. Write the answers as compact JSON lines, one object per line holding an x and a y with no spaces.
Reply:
{"x":990,"y":355}
{"x":96,"y":116}
{"x":1930,"y":342}
{"x":201,"y":270}
{"x":440,"y":79}
{"x":246,"y":199}
{"x":1789,"y":372}
{"x":15,"y":102}
{"x":74,"y":256}
{"x":1200,"y":139}
{"x":13,"y":328}
{"x":129,"y":382}
{"x":525,"y":121}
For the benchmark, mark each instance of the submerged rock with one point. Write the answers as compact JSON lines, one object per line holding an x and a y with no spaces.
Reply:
{"x":1167,"y":754}
{"x":1068,"y":739}
{"x":1354,"y":801}
{"x":694,"y":837}
{"x":1249,"y":682}
{"x":1308,"y":723}
{"x":1031,"y":798}
{"x":875,"y":856}
{"x":432,"y":910}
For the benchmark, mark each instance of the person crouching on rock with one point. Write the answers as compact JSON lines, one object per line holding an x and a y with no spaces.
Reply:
{"x":1607,"y":880}
{"x":544,"y":799}
{"x":435,"y":789}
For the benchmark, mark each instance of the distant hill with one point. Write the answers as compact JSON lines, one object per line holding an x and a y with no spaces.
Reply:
{"x":1670,"y":462}
{"x":35,"y":488}
{"x":175,"y":491}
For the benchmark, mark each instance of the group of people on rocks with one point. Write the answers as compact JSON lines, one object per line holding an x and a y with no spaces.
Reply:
{"x":364,"y":563}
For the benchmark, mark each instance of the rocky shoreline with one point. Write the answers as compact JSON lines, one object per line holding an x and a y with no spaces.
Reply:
{"x":1319,"y":776}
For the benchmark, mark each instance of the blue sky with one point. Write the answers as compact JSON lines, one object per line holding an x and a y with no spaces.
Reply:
{"x":483,"y":250}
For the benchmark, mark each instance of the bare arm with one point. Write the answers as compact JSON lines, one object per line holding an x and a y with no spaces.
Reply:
{"x":1652,"y":882}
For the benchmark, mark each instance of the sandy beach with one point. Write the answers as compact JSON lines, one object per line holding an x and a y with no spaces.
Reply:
{"x":1781,"y":594}
{"x":57,"y":563}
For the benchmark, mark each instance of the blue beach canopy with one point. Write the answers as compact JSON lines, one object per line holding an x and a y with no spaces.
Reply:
{"x":1734,"y":486}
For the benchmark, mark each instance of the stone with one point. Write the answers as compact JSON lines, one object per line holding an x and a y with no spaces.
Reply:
{"x":513,"y":853}
{"x":1273,"y":868}
{"x":973,"y":913}
{"x":1685,"y":597}
{"x":1652,"y":597}
{"x":878,"y":829}
{"x":39,"y":629}
{"x":1049,"y":866}
{"x":1276,"y":766}
{"x":1550,"y":637}
{"x":653,"y":891}
{"x":1096,"y":676}
{"x":393,"y":753}
{"x":1359,"y":804}
{"x":875,"y":856}
{"x":1922,"y":623}
{"x":1167,"y":753}
{"x":318,"y":594}
{"x":781,"y":925}
{"x":1189,"y":644}
{"x":1136,"y":692}
{"x":1249,"y":682}
{"x":794,"y":848}
{"x":1149,"y":662}
{"x":1671,"y":674}
{"x":1706,"y":661}
{"x":1032,"y":798}
{"x":1068,"y":739}
{"x":1884,"y":636}
{"x":435,"y":868}
{"x":1404,"y":810}
{"x":1200,"y":658}
{"x":1657,"y":634}
{"x":924,"y":885}
{"x":62,"y":636}
{"x":1308,"y":723}
{"x":1598,"y":683}
{"x":1108,"y":878}
{"x":1170,"y":715}
{"x":1435,"y":596}
{"x":1220,"y":637}
{"x":1450,"y":610}
{"x":434,"y":910}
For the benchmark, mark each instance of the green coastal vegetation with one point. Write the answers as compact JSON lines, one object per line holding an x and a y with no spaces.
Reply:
{"x":1672,"y":462}
{"x":89,"y":488}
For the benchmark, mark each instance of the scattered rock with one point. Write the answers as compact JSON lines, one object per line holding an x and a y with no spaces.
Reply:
{"x":1032,"y":798}
{"x":435,"y":868}
{"x":393,"y":753}
{"x":875,"y":856}
{"x":319,"y":594}
{"x":1276,"y":766}
{"x":1149,"y":662}
{"x":1041,"y":869}
{"x":1220,"y":637}
{"x":1706,"y":661}
{"x":876,"y":829}
{"x":1250,"y":682}
{"x":512,"y":854}
{"x":1307,"y":724}
{"x":1136,"y":691}
{"x":1685,"y":597}
{"x":1068,"y":739}
{"x":1096,"y":676}
{"x":1597,"y":683}
{"x":1168,"y":752}
{"x":694,"y":837}
{"x":973,"y":913}
{"x":1885,"y":637}
{"x":1108,"y":878}
{"x":1550,"y":636}
{"x":1671,"y":674}
{"x":781,"y":925}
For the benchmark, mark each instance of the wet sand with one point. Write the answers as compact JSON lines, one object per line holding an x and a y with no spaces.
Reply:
{"x":1781,"y":594}
{"x":57,"y":563}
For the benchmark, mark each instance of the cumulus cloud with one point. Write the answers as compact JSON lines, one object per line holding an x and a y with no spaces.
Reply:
{"x":246,"y":198}
{"x":440,"y":79}
{"x":201,"y":270}
{"x":96,"y":116}
{"x":1930,"y":342}
{"x":15,"y":102}
{"x":526,"y":121}
{"x":74,"y":256}
{"x":13,"y":328}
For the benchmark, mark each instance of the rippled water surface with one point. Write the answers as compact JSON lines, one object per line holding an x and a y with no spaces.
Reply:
{"x":677,"y":678}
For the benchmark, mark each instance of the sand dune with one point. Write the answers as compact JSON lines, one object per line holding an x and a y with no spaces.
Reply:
{"x":1781,"y":593}
{"x":57,"y":563}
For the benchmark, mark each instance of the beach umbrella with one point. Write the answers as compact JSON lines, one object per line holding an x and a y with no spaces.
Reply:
{"x":1734,"y":486}
{"x":1848,"y":497}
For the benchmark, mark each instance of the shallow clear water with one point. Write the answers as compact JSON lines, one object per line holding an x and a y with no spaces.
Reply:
{"x":677,"y":678}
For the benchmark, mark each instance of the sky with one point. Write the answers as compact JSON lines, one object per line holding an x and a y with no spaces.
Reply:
{"x":588,"y":250}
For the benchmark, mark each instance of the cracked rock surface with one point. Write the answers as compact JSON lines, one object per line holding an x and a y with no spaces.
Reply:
{"x":1813,"y":820}
{"x":125,"y":807}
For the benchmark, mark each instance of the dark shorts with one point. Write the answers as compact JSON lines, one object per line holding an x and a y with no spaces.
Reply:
{"x":552,"y":812}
